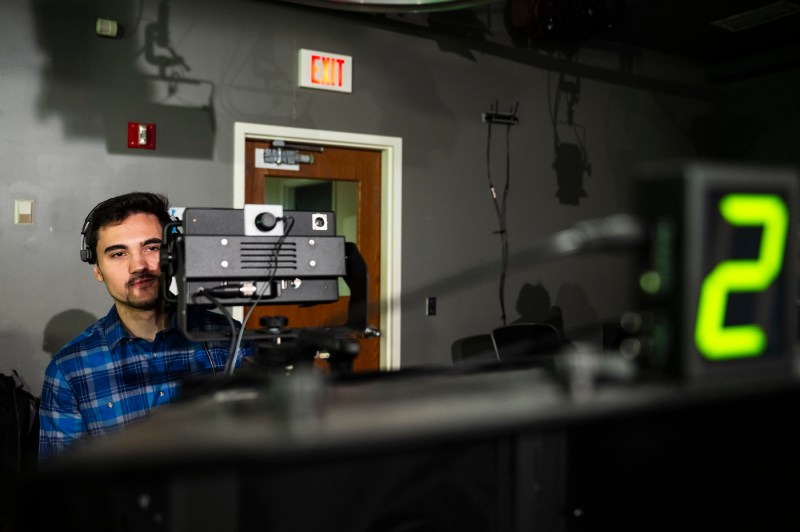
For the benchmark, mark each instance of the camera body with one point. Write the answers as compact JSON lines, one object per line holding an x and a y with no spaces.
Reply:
{"x":259,"y":253}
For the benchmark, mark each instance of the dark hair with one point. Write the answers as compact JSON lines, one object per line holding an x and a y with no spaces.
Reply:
{"x":115,"y":210}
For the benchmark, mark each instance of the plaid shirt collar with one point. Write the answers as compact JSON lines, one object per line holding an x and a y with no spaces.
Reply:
{"x":115,"y":331}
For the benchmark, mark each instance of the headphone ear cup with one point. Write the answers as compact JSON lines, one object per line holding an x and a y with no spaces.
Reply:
{"x":89,"y":256}
{"x":86,"y":254}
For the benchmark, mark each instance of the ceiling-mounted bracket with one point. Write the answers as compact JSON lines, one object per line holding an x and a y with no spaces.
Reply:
{"x":496,"y":117}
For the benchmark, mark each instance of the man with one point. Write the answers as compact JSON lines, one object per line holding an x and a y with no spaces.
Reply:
{"x":133,"y":359}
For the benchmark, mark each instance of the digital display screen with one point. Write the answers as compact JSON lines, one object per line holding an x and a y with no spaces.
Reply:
{"x":743,"y":287}
{"x":719,"y":276}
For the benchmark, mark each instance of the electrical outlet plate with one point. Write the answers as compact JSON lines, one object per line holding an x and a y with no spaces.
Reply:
{"x":430,"y":306}
{"x":23,"y":211}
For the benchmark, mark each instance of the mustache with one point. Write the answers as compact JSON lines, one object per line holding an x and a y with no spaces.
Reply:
{"x":140,"y":277}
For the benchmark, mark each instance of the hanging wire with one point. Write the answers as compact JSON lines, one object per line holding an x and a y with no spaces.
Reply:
{"x":500,"y":205}
{"x":234,"y":355}
{"x":234,"y":349}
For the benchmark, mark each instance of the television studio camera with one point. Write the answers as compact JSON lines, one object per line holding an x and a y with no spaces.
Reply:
{"x":262,"y":255}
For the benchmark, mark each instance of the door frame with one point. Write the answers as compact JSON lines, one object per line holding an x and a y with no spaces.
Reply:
{"x":391,"y":149}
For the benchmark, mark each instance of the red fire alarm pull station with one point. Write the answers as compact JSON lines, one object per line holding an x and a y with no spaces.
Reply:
{"x":141,"y":136}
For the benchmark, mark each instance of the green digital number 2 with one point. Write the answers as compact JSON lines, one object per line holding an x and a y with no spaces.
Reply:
{"x":714,"y":340}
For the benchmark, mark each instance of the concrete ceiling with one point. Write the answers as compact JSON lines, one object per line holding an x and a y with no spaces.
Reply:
{"x":731,"y":39}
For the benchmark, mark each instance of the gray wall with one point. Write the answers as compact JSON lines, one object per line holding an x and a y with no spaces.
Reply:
{"x":66,"y":96}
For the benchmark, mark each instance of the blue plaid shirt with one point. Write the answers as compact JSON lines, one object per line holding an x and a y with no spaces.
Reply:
{"x":106,"y":379}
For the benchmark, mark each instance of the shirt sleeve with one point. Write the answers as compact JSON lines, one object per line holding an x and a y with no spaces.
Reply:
{"x":60,"y":420}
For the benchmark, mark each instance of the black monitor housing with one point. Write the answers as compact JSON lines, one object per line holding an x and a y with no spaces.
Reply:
{"x":259,"y":255}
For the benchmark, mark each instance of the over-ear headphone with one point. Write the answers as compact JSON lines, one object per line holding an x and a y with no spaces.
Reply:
{"x":87,"y":255}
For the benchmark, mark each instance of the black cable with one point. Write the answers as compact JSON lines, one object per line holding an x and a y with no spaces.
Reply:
{"x":210,"y":360}
{"x":488,"y":163}
{"x":497,"y":209}
{"x":504,"y":228}
{"x":500,"y":209}
{"x":275,"y":257}
{"x":231,"y":323}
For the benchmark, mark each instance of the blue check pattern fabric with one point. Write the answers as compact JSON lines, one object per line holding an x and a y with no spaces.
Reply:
{"x":105,"y":379}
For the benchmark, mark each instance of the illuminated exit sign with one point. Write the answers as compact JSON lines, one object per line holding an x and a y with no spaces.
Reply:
{"x":326,"y":71}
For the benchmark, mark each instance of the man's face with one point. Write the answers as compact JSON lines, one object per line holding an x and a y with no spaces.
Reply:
{"x":128,"y":261}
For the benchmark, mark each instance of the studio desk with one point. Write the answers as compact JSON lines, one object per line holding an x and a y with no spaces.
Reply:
{"x":511,"y":448}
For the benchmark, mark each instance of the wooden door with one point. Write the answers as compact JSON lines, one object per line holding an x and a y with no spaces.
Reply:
{"x":362,"y":167}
